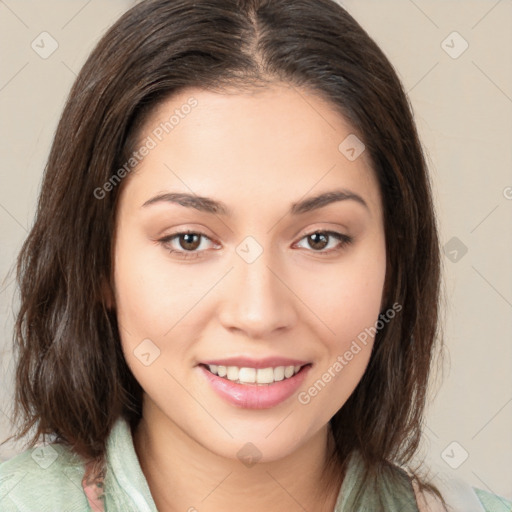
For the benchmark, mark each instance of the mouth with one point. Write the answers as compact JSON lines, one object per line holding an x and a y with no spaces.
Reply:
{"x":257,"y":376}
{"x":254,"y":388}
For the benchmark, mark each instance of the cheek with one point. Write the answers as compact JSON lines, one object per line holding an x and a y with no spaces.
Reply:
{"x":149,"y":302}
{"x":151,"y":294}
{"x":345,"y":298}
{"x":348,"y":308}
{"x":145,"y":310}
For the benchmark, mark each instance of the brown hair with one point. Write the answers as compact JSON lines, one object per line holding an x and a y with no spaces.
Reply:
{"x":71,"y":377}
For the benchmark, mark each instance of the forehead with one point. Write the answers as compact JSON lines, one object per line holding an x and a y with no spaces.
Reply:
{"x":252,"y":147}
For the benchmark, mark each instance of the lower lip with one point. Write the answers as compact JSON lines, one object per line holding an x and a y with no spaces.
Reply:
{"x":254,"y":396}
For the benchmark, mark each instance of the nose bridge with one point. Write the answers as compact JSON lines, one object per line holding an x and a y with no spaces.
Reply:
{"x":257,"y":301}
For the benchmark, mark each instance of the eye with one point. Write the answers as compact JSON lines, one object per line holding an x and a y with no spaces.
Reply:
{"x":319,"y":240}
{"x":189,"y":241}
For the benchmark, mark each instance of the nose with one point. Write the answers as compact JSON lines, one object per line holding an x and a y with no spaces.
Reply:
{"x":257,"y":300}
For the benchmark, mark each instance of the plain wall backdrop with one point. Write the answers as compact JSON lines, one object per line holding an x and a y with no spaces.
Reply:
{"x":455,"y":61}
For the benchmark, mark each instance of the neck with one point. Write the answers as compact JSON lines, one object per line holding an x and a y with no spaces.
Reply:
{"x":184,"y":475}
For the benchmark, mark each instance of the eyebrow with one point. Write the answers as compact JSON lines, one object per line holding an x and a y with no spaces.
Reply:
{"x":209,"y":205}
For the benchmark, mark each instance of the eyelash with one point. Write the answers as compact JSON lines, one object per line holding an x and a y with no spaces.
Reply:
{"x":343,"y":239}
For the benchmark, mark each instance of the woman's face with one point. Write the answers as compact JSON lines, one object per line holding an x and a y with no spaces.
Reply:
{"x":251,"y":280}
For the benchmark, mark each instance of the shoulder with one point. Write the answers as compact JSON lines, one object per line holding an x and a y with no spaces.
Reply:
{"x":461,"y":498}
{"x":44,"y":478}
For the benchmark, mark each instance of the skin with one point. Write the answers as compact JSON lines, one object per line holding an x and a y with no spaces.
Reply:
{"x":257,"y":152}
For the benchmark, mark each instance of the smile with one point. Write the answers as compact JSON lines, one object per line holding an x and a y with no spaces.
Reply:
{"x":246,"y":389}
{"x":246,"y":375}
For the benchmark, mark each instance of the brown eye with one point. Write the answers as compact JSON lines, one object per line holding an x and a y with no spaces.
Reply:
{"x":319,"y":240}
{"x":185,"y":244}
{"x":191,"y":241}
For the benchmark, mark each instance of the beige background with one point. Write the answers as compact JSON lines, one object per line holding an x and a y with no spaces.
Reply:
{"x":463,"y":109}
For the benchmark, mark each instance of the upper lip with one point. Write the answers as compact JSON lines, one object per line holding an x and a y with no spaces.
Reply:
{"x":247,"y":362}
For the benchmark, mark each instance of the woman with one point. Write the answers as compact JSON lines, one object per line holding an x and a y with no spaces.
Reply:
{"x":229,"y":298}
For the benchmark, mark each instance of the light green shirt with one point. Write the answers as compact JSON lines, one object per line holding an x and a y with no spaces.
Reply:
{"x":49,"y":479}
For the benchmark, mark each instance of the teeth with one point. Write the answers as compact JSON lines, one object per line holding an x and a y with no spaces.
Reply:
{"x":254,"y":375}
{"x":289,"y":371}
{"x":246,"y":374}
{"x":232,"y":373}
{"x":264,"y":376}
{"x":278,"y":373}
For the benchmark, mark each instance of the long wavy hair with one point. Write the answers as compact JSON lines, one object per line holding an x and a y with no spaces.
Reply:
{"x":71,"y":379}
